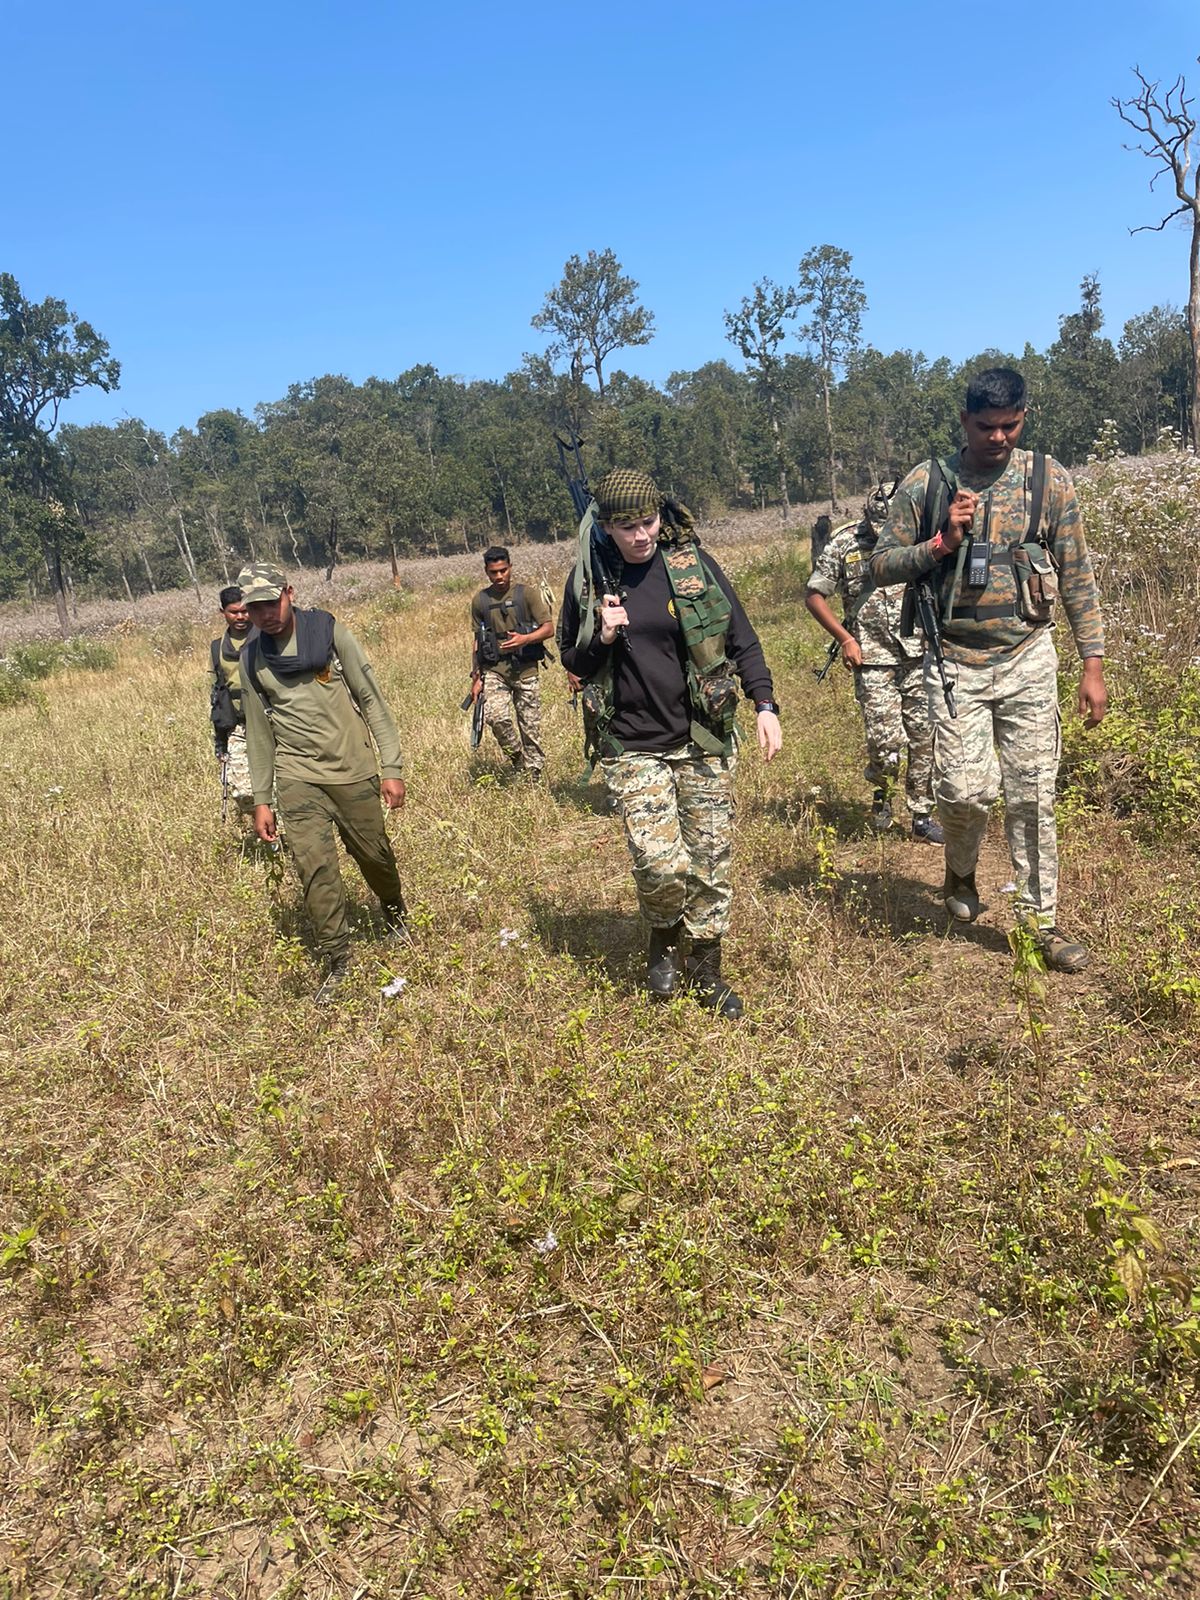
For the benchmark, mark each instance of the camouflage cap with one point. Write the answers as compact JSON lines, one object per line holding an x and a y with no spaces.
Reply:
{"x":261,"y":581}
{"x":626,"y":495}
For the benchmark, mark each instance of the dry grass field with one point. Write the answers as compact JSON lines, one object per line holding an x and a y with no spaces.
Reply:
{"x":516,"y":1285}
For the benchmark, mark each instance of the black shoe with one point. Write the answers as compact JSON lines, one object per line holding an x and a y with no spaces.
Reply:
{"x":662,"y":961}
{"x":928,"y":830}
{"x":881,"y":812}
{"x":961,"y":896}
{"x":395,"y":920}
{"x":705,"y":981}
{"x":335,"y":977}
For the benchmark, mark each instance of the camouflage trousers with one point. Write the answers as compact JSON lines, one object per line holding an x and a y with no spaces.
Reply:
{"x":237,"y":773}
{"x":1006,"y":736}
{"x":512,"y":709}
{"x":678,"y":809}
{"x":895,"y":713}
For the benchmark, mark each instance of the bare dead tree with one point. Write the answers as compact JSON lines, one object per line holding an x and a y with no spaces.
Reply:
{"x":1165,"y":125}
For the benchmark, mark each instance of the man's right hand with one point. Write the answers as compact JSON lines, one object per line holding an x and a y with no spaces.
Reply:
{"x":851,"y":652}
{"x":264,"y":824}
{"x":476,"y":689}
{"x":962,"y":515}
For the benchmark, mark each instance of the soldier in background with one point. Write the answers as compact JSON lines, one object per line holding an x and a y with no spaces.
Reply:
{"x":822,"y":532}
{"x":1025,"y":548}
{"x":228,"y":718}
{"x":311,"y":697}
{"x":510,"y":623}
{"x":889,"y":680}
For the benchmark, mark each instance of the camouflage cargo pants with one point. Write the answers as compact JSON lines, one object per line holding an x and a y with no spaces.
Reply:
{"x":678,"y":814}
{"x":1006,"y":735}
{"x":237,"y":774}
{"x":512,"y":709}
{"x":895,"y":713}
{"x":311,"y":813}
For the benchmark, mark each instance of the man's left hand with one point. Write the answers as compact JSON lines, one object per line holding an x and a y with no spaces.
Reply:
{"x":392,"y":790}
{"x":770,"y":735}
{"x":1093,"y":692}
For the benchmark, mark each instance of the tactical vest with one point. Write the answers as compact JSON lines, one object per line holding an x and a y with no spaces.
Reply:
{"x":703,"y":613}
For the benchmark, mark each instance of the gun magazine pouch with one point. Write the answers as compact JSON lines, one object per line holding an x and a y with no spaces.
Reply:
{"x":1037,"y":583}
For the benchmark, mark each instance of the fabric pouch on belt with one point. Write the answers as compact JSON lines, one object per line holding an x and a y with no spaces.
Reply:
{"x":1037,"y":583}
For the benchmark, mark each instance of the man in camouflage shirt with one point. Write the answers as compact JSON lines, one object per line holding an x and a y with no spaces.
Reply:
{"x":889,"y":681}
{"x":516,"y":622}
{"x":996,"y":602}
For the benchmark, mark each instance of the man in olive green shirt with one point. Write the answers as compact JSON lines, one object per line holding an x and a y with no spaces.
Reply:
{"x":312,"y":707}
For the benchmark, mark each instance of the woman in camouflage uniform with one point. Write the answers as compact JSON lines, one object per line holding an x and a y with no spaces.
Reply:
{"x":671,"y":778}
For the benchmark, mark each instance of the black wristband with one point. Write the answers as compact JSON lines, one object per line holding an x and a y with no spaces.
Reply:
{"x":766,"y":705}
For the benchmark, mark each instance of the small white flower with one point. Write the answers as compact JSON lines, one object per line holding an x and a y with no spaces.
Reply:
{"x":57,"y":789}
{"x":396,"y":987}
{"x":548,"y":1244}
{"x":509,"y":936}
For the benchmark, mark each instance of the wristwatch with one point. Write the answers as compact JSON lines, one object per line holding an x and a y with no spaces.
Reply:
{"x":766,"y":705}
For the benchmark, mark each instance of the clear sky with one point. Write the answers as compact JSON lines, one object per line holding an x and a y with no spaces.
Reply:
{"x":243,"y":196}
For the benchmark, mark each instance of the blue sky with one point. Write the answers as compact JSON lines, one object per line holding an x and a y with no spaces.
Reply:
{"x":244,"y":196}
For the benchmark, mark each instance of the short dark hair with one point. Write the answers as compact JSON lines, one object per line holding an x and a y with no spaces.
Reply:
{"x":495,"y":552}
{"x":228,"y":596}
{"x":997,"y":389}
{"x":823,"y":525}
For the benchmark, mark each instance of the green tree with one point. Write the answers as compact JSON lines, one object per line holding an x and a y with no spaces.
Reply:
{"x":757,"y":329}
{"x":1155,"y":376}
{"x":46,"y":355}
{"x":592,"y":312}
{"x":838,"y":301}
{"x":1080,"y":382}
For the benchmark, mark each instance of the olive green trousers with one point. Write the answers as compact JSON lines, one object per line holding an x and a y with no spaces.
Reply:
{"x":311,"y":814}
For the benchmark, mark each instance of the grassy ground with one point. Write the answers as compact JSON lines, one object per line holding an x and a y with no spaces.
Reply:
{"x":515,"y":1285}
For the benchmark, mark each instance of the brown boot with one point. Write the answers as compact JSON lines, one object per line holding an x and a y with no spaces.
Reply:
{"x":1060,"y":953}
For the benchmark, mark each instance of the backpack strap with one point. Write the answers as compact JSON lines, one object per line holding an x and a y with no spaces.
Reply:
{"x":703,"y":612}
{"x":216,"y":657}
{"x":1037,"y":494}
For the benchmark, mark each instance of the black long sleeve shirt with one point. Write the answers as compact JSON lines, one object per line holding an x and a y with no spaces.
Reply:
{"x":649,"y":660}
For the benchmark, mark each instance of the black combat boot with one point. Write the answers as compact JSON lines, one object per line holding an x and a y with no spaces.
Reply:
{"x":662,"y":961}
{"x":704,"y":978}
{"x":395,"y":921}
{"x":337,"y":971}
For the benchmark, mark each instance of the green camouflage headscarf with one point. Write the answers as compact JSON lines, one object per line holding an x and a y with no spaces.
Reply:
{"x":626,"y":495}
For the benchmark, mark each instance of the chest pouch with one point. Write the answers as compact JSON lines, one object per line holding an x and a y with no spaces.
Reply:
{"x":487,"y":646}
{"x":1037,"y":583}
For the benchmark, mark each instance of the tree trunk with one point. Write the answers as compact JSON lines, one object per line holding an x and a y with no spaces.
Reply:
{"x":396,"y":584}
{"x":145,"y":560}
{"x":55,"y":574}
{"x":125,"y":586}
{"x":781,"y":459}
{"x":185,"y":550}
{"x":833,"y":500}
{"x":1193,"y":322}
{"x":287,"y":522}
{"x":217,"y":536}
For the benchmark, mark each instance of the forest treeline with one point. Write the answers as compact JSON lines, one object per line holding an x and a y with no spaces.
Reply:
{"x":426,"y":463}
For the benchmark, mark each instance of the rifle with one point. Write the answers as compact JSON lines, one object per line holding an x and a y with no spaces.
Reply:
{"x":924,"y":589}
{"x":831,"y":655}
{"x":569,"y":446}
{"x":224,"y":789}
{"x":474,"y":704}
